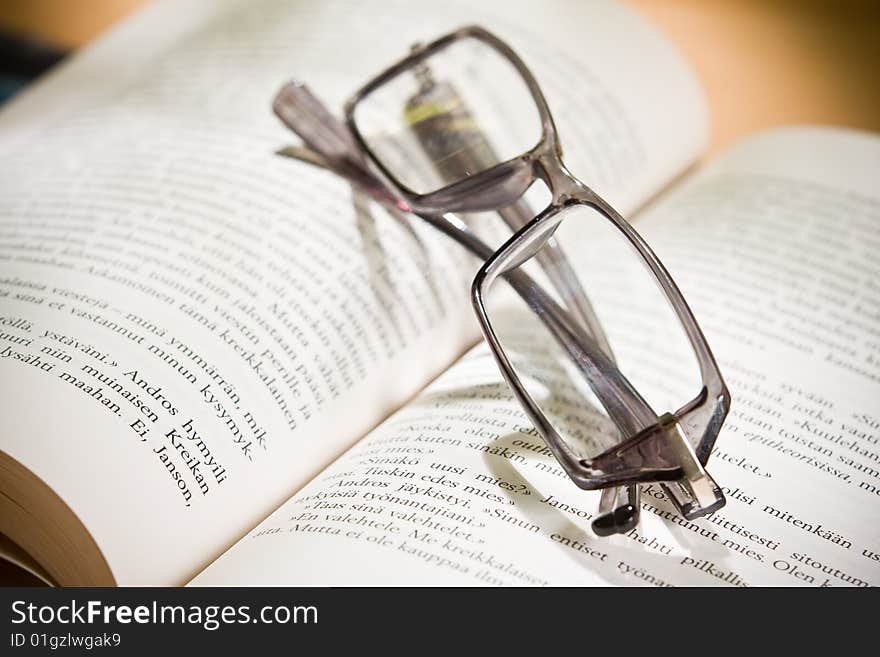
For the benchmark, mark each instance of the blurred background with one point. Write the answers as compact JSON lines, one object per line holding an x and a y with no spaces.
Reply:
{"x":761,"y":62}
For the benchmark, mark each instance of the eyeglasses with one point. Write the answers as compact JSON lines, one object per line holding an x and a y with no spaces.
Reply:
{"x":460,"y":125}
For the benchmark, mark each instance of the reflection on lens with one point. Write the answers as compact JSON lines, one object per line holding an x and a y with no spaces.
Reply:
{"x":458,"y":112}
{"x":644,"y":336}
{"x":446,"y":129}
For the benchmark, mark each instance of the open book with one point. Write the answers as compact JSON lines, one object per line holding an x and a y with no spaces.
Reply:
{"x":220,"y":366}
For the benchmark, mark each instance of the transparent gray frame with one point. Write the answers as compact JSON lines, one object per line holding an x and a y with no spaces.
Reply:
{"x":649,"y":454}
{"x":672,"y":448}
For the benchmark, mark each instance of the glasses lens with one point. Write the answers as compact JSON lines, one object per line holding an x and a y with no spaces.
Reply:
{"x":459,"y":111}
{"x":644,"y":336}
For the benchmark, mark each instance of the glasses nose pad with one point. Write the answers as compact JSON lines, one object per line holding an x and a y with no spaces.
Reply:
{"x":529,"y":248}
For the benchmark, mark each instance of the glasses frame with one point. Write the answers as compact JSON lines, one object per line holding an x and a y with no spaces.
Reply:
{"x":328,"y":143}
{"x":677,"y":445}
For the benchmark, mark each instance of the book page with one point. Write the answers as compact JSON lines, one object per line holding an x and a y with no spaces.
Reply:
{"x":192,"y":326}
{"x":775,"y":246}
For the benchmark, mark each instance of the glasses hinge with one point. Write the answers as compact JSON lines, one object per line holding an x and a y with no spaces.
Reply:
{"x":696,"y":494}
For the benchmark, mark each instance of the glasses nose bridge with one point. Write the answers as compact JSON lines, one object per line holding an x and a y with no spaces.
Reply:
{"x":549,"y":168}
